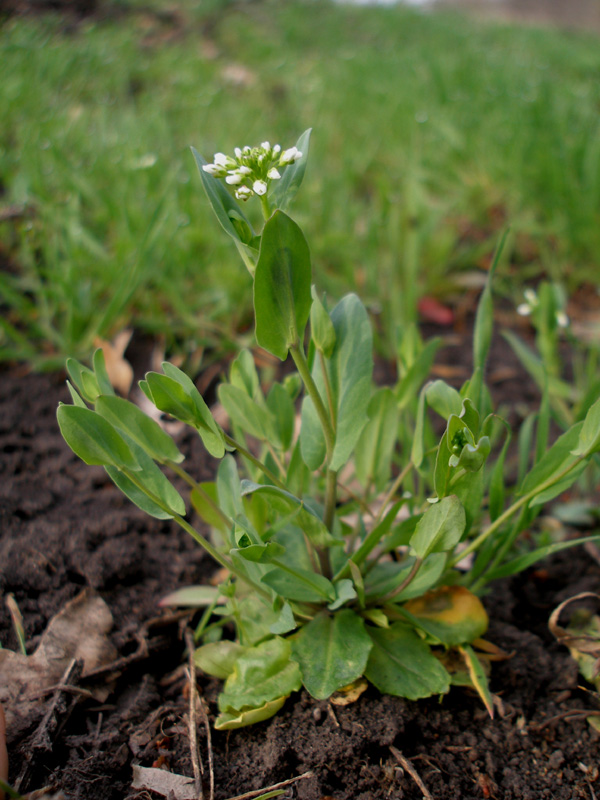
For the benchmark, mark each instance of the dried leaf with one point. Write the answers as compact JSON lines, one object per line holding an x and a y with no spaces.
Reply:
{"x":167,"y":784}
{"x":349,"y":694}
{"x":78,"y":631}
{"x":119,"y":370}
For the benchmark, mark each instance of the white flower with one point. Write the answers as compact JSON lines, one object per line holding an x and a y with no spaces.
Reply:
{"x":234,"y":179}
{"x":243,"y":170}
{"x":562,"y":319}
{"x":289,"y":156}
{"x":222,"y":160}
{"x":213,"y":169}
{"x":243,"y":193}
{"x":266,"y":145}
{"x":276,"y":149}
{"x":260,"y":187}
{"x":273,"y":174}
{"x":238,"y":152}
{"x":531,"y":297}
{"x":524,"y":309}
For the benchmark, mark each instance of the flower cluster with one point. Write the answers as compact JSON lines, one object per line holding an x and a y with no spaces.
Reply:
{"x":252,"y":169}
{"x":531,"y":305}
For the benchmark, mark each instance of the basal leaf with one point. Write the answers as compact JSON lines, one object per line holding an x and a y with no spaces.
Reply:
{"x":299,"y":584}
{"x":401,"y":664}
{"x":332,"y":651}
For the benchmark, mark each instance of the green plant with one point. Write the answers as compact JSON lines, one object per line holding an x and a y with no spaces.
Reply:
{"x":356,"y":549}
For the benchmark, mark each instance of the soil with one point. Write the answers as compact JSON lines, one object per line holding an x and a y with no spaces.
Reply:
{"x":65,"y":527}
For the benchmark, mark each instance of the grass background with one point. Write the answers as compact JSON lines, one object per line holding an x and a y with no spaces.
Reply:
{"x":430,"y":134}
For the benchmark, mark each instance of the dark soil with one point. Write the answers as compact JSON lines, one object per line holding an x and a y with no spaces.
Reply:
{"x":63,"y":527}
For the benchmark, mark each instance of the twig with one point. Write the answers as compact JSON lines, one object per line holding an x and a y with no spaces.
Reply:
{"x":573,"y":713}
{"x":192,"y":722}
{"x":211,"y":772}
{"x":272,"y":788}
{"x":405,"y":764}
{"x":59,"y":709}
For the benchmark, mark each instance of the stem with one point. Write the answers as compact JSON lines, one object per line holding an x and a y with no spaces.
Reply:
{"x":255,"y":461}
{"x":328,"y":392}
{"x":210,"y":548}
{"x":311,"y":387}
{"x":404,"y":584}
{"x":393,"y":489}
{"x":266,"y":208}
{"x":510,"y":511}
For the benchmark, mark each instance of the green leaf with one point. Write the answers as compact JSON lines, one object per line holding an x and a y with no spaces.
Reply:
{"x":229,"y":491}
{"x":218,"y":658}
{"x":444,"y":399}
{"x":344,"y":591}
{"x":417,"y":373}
{"x":418,"y":443}
{"x":285,"y":621}
{"x":523,"y":562}
{"x":555,"y":461}
{"x":156,"y":490}
{"x":281,"y":406}
{"x":99,"y":365}
{"x":497,"y":489}
{"x":440,"y":528}
{"x":175,"y":394}
{"x":245,"y":412}
{"x":321,"y":327}
{"x":75,"y":397}
{"x":260,"y":675}
{"x":299,"y":584}
{"x":141,"y":428}
{"x":206,"y":509}
{"x":282,"y":282}
{"x":229,"y":721}
{"x":226,"y":210}
{"x":589,"y":436}
{"x":94,"y":439}
{"x":401,"y":664}
{"x":260,"y":553}
{"x":199,"y":596}
{"x":243,"y":374}
{"x":84,"y":380}
{"x":442,"y":470}
{"x":535,"y":366}
{"x":291,"y":179}
{"x":385,"y":577}
{"x":350,"y":371}
{"x":331,"y":651}
{"x":285,"y":502}
{"x":375,"y":447}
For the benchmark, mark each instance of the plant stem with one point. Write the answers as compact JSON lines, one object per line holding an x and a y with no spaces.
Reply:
{"x":255,"y":461}
{"x":301,"y":364}
{"x":477,"y":542}
{"x":332,"y":412}
{"x":393,"y":489}
{"x":202,"y":541}
{"x":266,"y":208}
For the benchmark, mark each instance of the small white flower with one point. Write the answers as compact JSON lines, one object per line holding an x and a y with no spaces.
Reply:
{"x":243,"y":193}
{"x":247,"y":149}
{"x":289,"y":156}
{"x":260,"y":187}
{"x":531,"y":297}
{"x":562,"y":319}
{"x":238,"y":152}
{"x":221,"y":159}
{"x":524,"y":309}
{"x":266,"y":145}
{"x":273,"y":174}
{"x":276,"y":149}
{"x":244,"y":170}
{"x":213,"y":169}
{"x":234,"y":179}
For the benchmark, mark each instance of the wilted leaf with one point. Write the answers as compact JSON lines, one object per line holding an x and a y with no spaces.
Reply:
{"x":166,"y":784}
{"x":78,"y":631}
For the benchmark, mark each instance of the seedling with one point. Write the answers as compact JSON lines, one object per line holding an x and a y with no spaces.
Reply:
{"x":357,"y":548}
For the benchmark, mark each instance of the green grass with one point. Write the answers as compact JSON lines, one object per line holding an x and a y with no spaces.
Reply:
{"x":430,"y":134}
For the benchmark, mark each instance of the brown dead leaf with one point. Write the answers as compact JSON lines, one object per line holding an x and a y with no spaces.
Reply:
{"x":349,"y":694}
{"x":120,"y":372}
{"x":78,"y":631}
{"x":167,"y":784}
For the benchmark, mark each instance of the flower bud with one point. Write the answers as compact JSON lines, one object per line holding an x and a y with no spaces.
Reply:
{"x":234,"y":179}
{"x":260,"y":187}
{"x":289,"y":156}
{"x":273,"y":174}
{"x":243,"y":193}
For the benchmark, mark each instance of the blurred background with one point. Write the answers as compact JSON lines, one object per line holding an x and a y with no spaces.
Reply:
{"x":436,"y":125}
